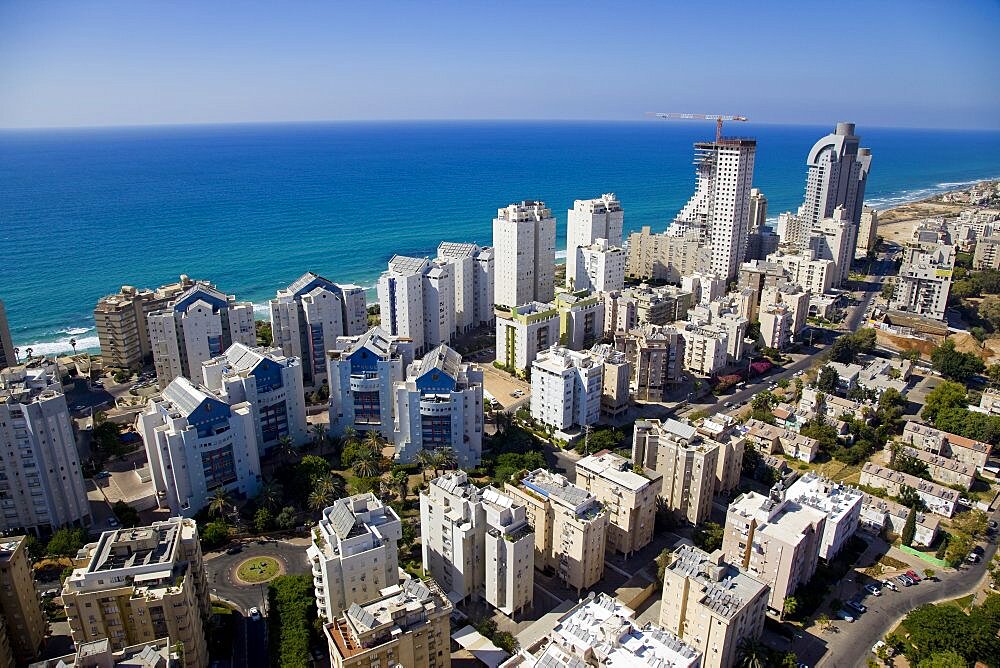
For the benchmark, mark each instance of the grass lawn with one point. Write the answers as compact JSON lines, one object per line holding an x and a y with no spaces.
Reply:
{"x":839,"y":471}
{"x":258,"y":569}
{"x":963,"y":603}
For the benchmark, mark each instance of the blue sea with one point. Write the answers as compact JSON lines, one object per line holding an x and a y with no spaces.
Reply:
{"x":252,"y":207}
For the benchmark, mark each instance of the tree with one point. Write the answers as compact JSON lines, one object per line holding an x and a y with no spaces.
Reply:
{"x":752,"y":654}
{"x":708,"y":536}
{"x":219,"y":502}
{"x":946,"y":395}
{"x":263,"y":520}
{"x":909,"y":528}
{"x":292,"y":609}
{"x":662,"y":561}
{"x":975,"y":522}
{"x":319,"y":435}
{"x":286,"y":448}
{"x":286,"y":518}
{"x":789,"y":606}
{"x":910,"y":498}
{"x":126,"y":514}
{"x":959,"y":545}
{"x":947,"y":659}
{"x":827,"y":381}
{"x":824,"y":623}
{"x":325,"y":491}
{"x":954,"y":364}
{"x":66,"y":542}
{"x":444,"y":458}
{"x":312,"y":468}
{"x":989,"y":310}
{"x":367,"y":462}
{"x":929,"y":573}
{"x":764,"y":401}
{"x":400,"y":481}
{"x":271,"y":495}
{"x":887,"y":289}
{"x":605,"y":439}
{"x":214,"y":534}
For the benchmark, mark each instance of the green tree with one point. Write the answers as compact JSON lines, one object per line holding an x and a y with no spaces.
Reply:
{"x":219,"y":502}
{"x":214,"y":534}
{"x":291,"y":612}
{"x":605,"y":439}
{"x":400,"y":481}
{"x":319,"y":431}
{"x":959,"y":546}
{"x":126,"y":514}
{"x":887,"y":289}
{"x":789,"y":606}
{"x":286,"y":518}
{"x":827,"y":380}
{"x":989,"y":310}
{"x":312,"y":468}
{"x":946,"y":659}
{"x":764,"y":401}
{"x":910,"y":498}
{"x":367,"y":461}
{"x":909,"y":528}
{"x":325,"y":491}
{"x":66,"y":542}
{"x":708,"y":536}
{"x":752,"y":654}
{"x":944,"y":396}
{"x":271,"y":495}
{"x":263,"y":520}
{"x":662,"y":561}
{"x":954,"y":364}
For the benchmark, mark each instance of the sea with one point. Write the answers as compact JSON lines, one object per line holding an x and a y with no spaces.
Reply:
{"x":252,"y":207}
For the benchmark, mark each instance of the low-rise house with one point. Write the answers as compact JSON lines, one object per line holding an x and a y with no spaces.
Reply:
{"x":878,"y":515}
{"x":940,"y":500}
{"x":848,"y":375}
{"x":989,"y":403}
{"x":883,"y":374}
{"x":943,"y":469}
{"x":924,"y":437}
{"x":770,"y":439}
{"x":99,"y":654}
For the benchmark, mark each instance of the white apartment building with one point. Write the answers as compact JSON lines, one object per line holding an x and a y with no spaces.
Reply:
{"x":271,"y":383}
{"x":196,"y":443}
{"x":792,"y":296}
{"x":815,"y":276}
{"x":841,"y":503}
{"x":776,"y":322}
{"x":588,"y":221}
{"x":473,"y":269}
{"x":655,"y":356}
{"x":199,"y":325}
{"x":630,"y":498}
{"x":704,"y":288}
{"x":416,"y":299}
{"x":687,"y":461}
{"x":989,"y":403}
{"x":566,"y":388}
{"x":477,"y":542}
{"x":711,"y":605}
{"x":924,"y":281}
{"x":309,"y":315}
{"x":938,"y":499}
{"x":838,"y":173}
{"x":7,"y":355}
{"x":363,"y":371}
{"x":600,"y":267}
{"x":987,"y":253}
{"x":41,"y":484}
{"x":867,"y":232}
{"x":706,"y":348}
{"x":524,"y":239}
{"x":834,"y":239}
{"x":581,"y":319}
{"x":440,"y":407}
{"x":353,"y":553}
{"x":523,"y":332}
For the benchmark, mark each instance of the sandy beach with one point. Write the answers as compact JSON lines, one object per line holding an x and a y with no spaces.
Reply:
{"x":897,"y":224}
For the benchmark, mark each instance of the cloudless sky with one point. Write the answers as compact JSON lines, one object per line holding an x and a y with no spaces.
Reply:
{"x":892,"y":63}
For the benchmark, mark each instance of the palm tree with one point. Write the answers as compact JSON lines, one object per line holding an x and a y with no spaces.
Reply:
{"x":271,"y":495}
{"x":400,"y":482}
{"x":426,"y":460}
{"x":218,"y":503}
{"x":286,"y":448}
{"x":325,"y":492}
{"x":368,"y":463}
{"x":374,"y":440}
{"x":319,"y":436}
{"x":752,"y":654}
{"x":72,"y":343}
{"x":444,"y":458}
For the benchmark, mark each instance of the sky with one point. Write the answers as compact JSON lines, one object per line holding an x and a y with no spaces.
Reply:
{"x":135,"y":62}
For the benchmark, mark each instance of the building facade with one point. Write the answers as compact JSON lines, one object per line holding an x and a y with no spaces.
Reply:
{"x":630,"y":498}
{"x":24,"y":623}
{"x":474,"y":270}
{"x":841,"y":503}
{"x":524,"y":242}
{"x":687,"y":462}
{"x":7,"y":355}
{"x":588,"y":221}
{"x":523,"y":332}
{"x":837,"y":175}
{"x":655,"y":356}
{"x":566,"y":388}
{"x":416,"y":299}
{"x":924,"y":281}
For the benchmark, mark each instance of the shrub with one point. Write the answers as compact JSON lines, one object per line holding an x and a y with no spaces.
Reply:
{"x":292,"y":609}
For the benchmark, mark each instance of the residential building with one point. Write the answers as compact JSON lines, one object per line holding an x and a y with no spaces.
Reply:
{"x":841,"y":503}
{"x":581,"y":319}
{"x":704,"y":288}
{"x":473,"y":269}
{"x":794,"y":297}
{"x":722,"y":428}
{"x":41,"y":483}
{"x":813,"y":274}
{"x":600,"y":267}
{"x":924,"y":281}
{"x":944,"y":470}
{"x":405,"y":625}
{"x":588,"y":221}
{"x":353,"y":553}
{"x":990,"y":401}
{"x":523,"y":332}
{"x":776,"y":322}
{"x":837,"y":176}
{"x":757,"y":275}
{"x":629,"y":496}
{"x":19,"y":606}
{"x":960,"y":448}
{"x":705,"y":348}
{"x":363,"y":371}
{"x":196,"y":443}
{"x":477,"y":542}
{"x":665,"y":256}
{"x":570,"y":527}
{"x":770,"y":439}
{"x":7,"y":355}
{"x":271,"y":383}
{"x":139,"y":585}
{"x":161,"y":653}
{"x":878,"y":515}
{"x":566,"y":388}
{"x":309,"y":315}
{"x":833,"y":239}
{"x":775,"y":540}
{"x":883,"y":374}
{"x":938,"y":499}
{"x":655,"y":356}
{"x":867,"y":232}
{"x":686,"y":460}
{"x":201,"y":323}
{"x":627,"y":309}
{"x":711,"y":605}
{"x":121,"y":322}
{"x":416,"y":299}
{"x":847,"y":375}
{"x":758,"y":209}
{"x":615,"y":395}
{"x":524,"y":239}
{"x":440,"y":407}
{"x":987,"y":253}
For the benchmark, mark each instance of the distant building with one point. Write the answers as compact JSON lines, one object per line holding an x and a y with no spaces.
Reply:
{"x":524,"y":239}
{"x":24,"y":623}
{"x":924,"y":281}
{"x":705,"y":348}
{"x":841,"y":503}
{"x":794,"y":297}
{"x":665,"y":256}
{"x":938,"y":499}
{"x":566,"y":388}
{"x":944,"y":470}
{"x":686,"y":460}
{"x":867,"y":232}
{"x":600,"y":267}
{"x":655,"y":356}
{"x":838,"y":174}
{"x":633,"y":307}
{"x":416,"y":299}
{"x":7,"y":355}
{"x":523,"y":332}
{"x":588,"y":222}
{"x":474,"y":270}
{"x":987,"y":253}
{"x":990,"y":401}
{"x":758,"y":209}
{"x":803,"y":267}
{"x":629,"y":496}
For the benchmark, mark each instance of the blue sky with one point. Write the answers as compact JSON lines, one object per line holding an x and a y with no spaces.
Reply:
{"x":888,"y":63}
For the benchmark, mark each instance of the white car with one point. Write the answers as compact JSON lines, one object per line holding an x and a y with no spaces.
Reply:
{"x":255,"y":614}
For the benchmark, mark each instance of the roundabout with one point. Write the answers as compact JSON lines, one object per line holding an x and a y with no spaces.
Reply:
{"x":257,"y":570}
{"x":226,"y":571}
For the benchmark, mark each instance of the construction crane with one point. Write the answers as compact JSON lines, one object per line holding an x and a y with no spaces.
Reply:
{"x":718,"y":118}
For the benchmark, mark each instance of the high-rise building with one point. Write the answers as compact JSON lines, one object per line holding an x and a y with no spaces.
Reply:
{"x":803,"y":268}
{"x":197,"y":443}
{"x":841,"y":503}
{"x":685,"y":459}
{"x":615,"y":395}
{"x":199,"y":325}
{"x":353,"y":553}
{"x":309,"y":315}
{"x":41,"y":483}
{"x":19,"y":607}
{"x":589,"y":222}
{"x":833,"y":239}
{"x":838,"y":173}
{"x":924,"y":281}
{"x":570,"y":526}
{"x":758,"y":209}
{"x":271,"y":383}
{"x":473,"y":268}
{"x":706,"y":348}
{"x":655,"y":356}
{"x":142,"y":584}
{"x":776,"y":322}
{"x":122,"y":326}
{"x":417,"y":301}
{"x":7,"y":356}
{"x":600,"y":267}
{"x":363,"y":371}
{"x":524,"y":239}
{"x":720,"y":207}
{"x":581,"y":319}
{"x":794,"y":297}
{"x":404,"y":625}
{"x":523,"y":332}
{"x":566,"y":388}
{"x":867,"y":232}
{"x":629,"y":496}
{"x":440,"y":407}
{"x":477,"y":542}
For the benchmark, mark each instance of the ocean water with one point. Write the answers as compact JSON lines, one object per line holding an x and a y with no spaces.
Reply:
{"x":252,"y":207}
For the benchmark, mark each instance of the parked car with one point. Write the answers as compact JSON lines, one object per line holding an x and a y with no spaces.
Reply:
{"x":102,"y":475}
{"x":234,"y":549}
{"x":873,"y":590}
{"x":728,"y":404}
{"x":913,"y":576}
{"x":973,"y":558}
{"x":903,"y":580}
{"x":845,"y":615}
{"x":857,"y":607}
{"x":877,"y":646}
{"x":255,"y":614}
{"x":890,"y":585}
{"x":113,"y":522}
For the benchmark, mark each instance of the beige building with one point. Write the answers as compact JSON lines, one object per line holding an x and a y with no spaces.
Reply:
{"x":938,"y":498}
{"x":944,"y":469}
{"x":524,"y":241}
{"x":721,"y":428}
{"x":139,"y":585}
{"x":987,"y":255}
{"x":794,"y":297}
{"x":706,"y":348}
{"x":776,"y":323}
{"x":630,"y":498}
{"x":665,"y":257}
{"x":813,"y":274}
{"x":711,"y":605}
{"x":22,"y":613}
{"x":687,"y":461}
{"x":965,"y":450}
{"x":867,"y":232}
{"x":570,"y":526}
{"x":770,"y":439}
{"x":655,"y":356}
{"x":615,"y":395}
{"x":99,"y":654}
{"x":406,"y":625}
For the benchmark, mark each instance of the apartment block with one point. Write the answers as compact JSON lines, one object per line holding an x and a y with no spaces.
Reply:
{"x":7,"y":355}
{"x":771,"y":439}
{"x":953,"y":446}
{"x":309,"y":315}
{"x":705,"y":348}
{"x":938,"y":499}
{"x":867,"y":232}
{"x":834,"y":239}
{"x":924,"y":281}
{"x":196,"y":443}
{"x":837,"y":175}
{"x":474,"y":271}
{"x":271,"y":383}
{"x":524,"y":242}
{"x":630,"y":498}
{"x":570,"y":527}
{"x":581,"y":319}
{"x":161,"y":653}
{"x":416,"y":299}
{"x":24,"y":623}
{"x":878,"y":515}
{"x":841,"y":503}
{"x":201,"y":323}
{"x":804,"y":268}
{"x":440,"y":407}
{"x":140,"y":585}
{"x":615,"y":395}
{"x":566,"y":388}
{"x":600,"y":267}
{"x":353,"y":554}
{"x":990,"y":402}
{"x":589,"y":221}
{"x":363,"y":370}
{"x":776,"y":322}
{"x":666,"y":256}
{"x":404,"y":625}
{"x":655,"y":356}
{"x":41,"y":484}
{"x":627,"y":309}
{"x":793,"y":297}
{"x":711,"y":605}
{"x":686,"y":460}
{"x":523,"y":332}
{"x":944,"y":470}
{"x":987,"y":253}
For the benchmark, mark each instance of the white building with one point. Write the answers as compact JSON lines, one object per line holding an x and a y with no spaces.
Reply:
{"x":353,"y":554}
{"x":416,"y":299}
{"x":41,"y":485}
{"x":838,"y":173}
{"x":803,"y":268}
{"x":794,"y":298}
{"x":363,"y":371}
{"x":705,"y":348}
{"x":600,"y":267}
{"x":924,"y":281}
{"x":841,"y":503}
{"x":776,"y":323}
{"x":833,"y":239}
{"x":524,"y":239}
{"x":440,"y":407}
{"x":309,"y":315}
{"x":201,"y":324}
{"x":758,"y":209}
{"x":271,"y":383}
{"x":566,"y":388}
{"x":523,"y":332}
{"x":473,"y":269}
{"x":704,"y":288}
{"x":588,"y":221}
{"x":196,"y":444}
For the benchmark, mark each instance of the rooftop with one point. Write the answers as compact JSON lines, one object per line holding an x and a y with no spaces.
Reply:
{"x":725,"y":588}
{"x":556,"y":487}
{"x":614,"y":468}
